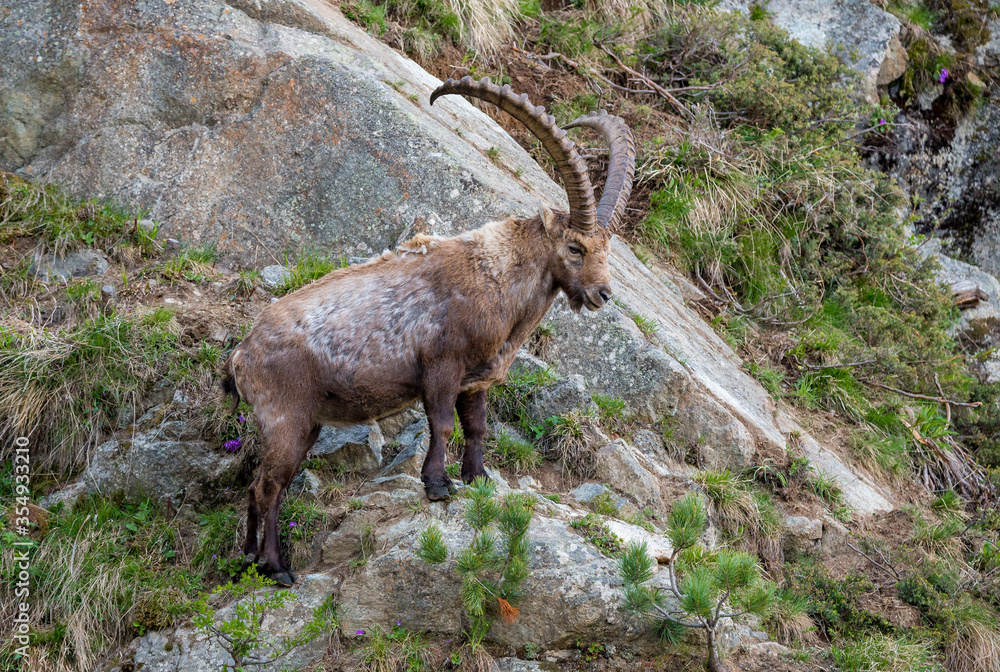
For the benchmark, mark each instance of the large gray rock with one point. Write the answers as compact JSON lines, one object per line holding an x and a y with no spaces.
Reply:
{"x":184,"y":650}
{"x":802,"y":534}
{"x":274,"y":275}
{"x":617,"y":464}
{"x":573,"y":591}
{"x":354,"y":449}
{"x":863,"y":35}
{"x":163,"y":463}
{"x":276,"y":124}
{"x":567,"y":394}
{"x":54,"y":268}
{"x":953,"y":178}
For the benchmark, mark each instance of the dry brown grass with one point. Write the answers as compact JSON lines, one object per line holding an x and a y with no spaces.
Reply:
{"x":486,"y":25}
{"x":574,"y":439}
{"x":975,"y":649}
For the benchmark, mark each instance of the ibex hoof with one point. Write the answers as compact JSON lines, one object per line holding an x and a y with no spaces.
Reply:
{"x":470,"y":477}
{"x":284,"y":577}
{"x":440,"y":492}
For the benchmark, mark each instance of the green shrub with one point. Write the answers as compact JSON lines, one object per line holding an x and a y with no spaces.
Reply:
{"x":712,"y":586}
{"x":494,"y":564}
{"x":243,"y":636}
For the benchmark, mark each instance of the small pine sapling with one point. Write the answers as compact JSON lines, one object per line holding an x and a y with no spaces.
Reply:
{"x":706,"y":587}
{"x":243,"y":636}
{"x":495,"y":564}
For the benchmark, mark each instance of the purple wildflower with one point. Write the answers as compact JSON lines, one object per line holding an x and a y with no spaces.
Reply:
{"x":943,"y":76}
{"x":214,"y":556}
{"x":399,"y":623}
{"x":242,"y":418}
{"x":359,"y":632}
{"x":233,"y":445}
{"x":291,"y":523}
{"x":881,"y":122}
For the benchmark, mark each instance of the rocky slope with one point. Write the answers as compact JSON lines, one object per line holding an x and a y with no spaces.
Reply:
{"x":278,"y":125}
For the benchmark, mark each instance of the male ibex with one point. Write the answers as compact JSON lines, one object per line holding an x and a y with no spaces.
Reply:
{"x":440,"y":322}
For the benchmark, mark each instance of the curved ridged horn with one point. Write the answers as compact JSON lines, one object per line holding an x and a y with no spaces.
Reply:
{"x":621,"y":164}
{"x":582,"y":214}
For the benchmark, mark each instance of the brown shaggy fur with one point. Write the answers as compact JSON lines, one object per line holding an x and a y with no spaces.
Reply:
{"x":440,"y":322}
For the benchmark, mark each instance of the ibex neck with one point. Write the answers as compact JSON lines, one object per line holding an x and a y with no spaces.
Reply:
{"x":515,"y":263}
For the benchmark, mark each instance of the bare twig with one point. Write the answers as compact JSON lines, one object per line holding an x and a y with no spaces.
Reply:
{"x":885,"y":566}
{"x":947,"y":406}
{"x":646,"y":80}
{"x":845,"y":365}
{"x":554,"y":55}
{"x":914,"y":395}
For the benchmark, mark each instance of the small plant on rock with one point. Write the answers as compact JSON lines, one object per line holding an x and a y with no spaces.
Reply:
{"x":495,"y":563}
{"x":706,"y":587}
{"x":243,"y":636}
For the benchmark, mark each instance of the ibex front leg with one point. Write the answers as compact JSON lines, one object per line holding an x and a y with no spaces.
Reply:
{"x":441,"y":386}
{"x":472,"y":414}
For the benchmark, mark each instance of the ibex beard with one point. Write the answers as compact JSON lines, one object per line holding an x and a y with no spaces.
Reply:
{"x":439,"y":322}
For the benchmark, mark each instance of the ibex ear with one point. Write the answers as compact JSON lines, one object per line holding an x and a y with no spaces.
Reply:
{"x":548,"y":218}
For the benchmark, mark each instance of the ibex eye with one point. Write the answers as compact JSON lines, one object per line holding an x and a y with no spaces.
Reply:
{"x":575,"y":250}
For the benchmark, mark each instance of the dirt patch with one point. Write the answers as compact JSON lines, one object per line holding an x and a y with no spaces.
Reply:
{"x":887,"y":603}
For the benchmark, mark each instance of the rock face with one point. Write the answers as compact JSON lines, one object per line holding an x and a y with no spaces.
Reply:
{"x":357,"y":448}
{"x":183,"y":649}
{"x":864,"y":36}
{"x":53,"y":268}
{"x":163,"y":463}
{"x":959,"y":182}
{"x":581,"y":586}
{"x":279,"y":118}
{"x":954,"y":178}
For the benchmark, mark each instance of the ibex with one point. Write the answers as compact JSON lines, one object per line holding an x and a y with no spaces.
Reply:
{"x":440,"y":322}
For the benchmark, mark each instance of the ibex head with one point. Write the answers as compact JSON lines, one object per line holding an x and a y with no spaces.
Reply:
{"x":578,"y":240}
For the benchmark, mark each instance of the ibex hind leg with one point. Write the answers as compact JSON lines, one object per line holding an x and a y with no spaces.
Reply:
{"x":286,"y":447}
{"x":250,"y":548}
{"x":440,"y":394}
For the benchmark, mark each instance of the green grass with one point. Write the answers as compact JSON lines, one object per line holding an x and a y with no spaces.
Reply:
{"x":566,"y":111}
{"x":610,"y":409}
{"x":770,"y":378}
{"x":219,"y":540}
{"x":886,"y":653}
{"x":396,"y":649}
{"x":825,"y":487}
{"x":83,"y":292}
{"x":62,"y":223}
{"x":370,"y":16}
{"x":192,"y":264}
{"x":915,"y":12}
{"x":68,"y":390}
{"x":512,"y":452}
{"x":308,"y":268}
{"x":747,"y":517}
{"x":572,"y":438}
{"x":508,"y":402}
{"x":594,"y":530}
{"x":100,"y":575}
{"x":604,"y":504}
{"x":300,"y":519}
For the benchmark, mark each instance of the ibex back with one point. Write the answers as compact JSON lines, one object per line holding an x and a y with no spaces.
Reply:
{"x":440,"y":321}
